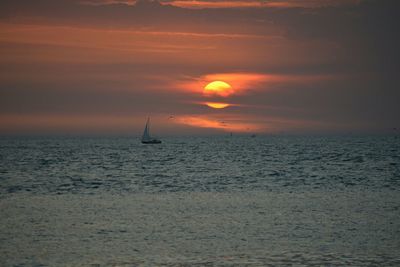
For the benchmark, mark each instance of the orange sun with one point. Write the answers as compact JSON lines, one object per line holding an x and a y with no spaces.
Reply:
{"x":217,"y":105}
{"x":218,"y":88}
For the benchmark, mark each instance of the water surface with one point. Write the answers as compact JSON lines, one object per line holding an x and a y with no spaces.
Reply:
{"x":207,"y":201}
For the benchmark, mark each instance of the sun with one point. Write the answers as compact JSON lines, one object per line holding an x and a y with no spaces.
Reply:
{"x":217,"y":105}
{"x":218,"y":88}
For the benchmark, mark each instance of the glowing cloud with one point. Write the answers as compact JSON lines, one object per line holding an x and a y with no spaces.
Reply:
{"x":228,"y":125}
{"x":222,"y":84}
{"x":242,"y":83}
{"x":199,"y":4}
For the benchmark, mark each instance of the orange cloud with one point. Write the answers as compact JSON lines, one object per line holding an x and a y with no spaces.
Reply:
{"x":256,"y":124}
{"x":199,"y":4}
{"x":229,"y":125}
{"x":219,"y":4}
{"x":108,"y":2}
{"x":238,"y":81}
{"x":71,"y":44}
{"x":245,"y":82}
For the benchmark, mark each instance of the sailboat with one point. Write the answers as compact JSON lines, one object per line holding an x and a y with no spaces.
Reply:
{"x":146,"y":138}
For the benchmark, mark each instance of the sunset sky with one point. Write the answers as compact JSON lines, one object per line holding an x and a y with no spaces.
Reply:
{"x":294,"y":66}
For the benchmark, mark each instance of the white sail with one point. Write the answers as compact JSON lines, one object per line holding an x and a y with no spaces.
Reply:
{"x":146,"y":133}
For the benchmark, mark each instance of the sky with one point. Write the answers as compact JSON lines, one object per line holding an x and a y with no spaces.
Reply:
{"x":291,"y":66}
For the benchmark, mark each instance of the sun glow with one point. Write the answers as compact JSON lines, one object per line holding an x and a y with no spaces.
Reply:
{"x":218,"y":88}
{"x":227,"y":124}
{"x":217,"y":105}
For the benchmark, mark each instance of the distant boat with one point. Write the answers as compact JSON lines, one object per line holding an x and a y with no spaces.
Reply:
{"x":146,"y":138}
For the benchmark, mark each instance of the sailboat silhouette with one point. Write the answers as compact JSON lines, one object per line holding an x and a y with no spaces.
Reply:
{"x":146,"y":137}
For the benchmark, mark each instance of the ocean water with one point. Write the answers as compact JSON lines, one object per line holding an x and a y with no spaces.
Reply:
{"x":209,"y":201}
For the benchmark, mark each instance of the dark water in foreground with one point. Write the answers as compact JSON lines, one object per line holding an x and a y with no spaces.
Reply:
{"x":238,"y":201}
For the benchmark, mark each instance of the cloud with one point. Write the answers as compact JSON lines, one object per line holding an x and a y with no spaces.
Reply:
{"x":108,"y":2}
{"x":200,"y":4}
{"x":248,"y":83}
{"x":259,"y":4}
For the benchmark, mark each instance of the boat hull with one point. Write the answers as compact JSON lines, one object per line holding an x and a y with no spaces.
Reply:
{"x":151,"y":142}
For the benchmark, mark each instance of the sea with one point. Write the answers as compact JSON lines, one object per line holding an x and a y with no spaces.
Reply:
{"x":200,"y":201}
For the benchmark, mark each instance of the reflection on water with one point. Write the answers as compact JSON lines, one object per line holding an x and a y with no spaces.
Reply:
{"x":217,"y":201}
